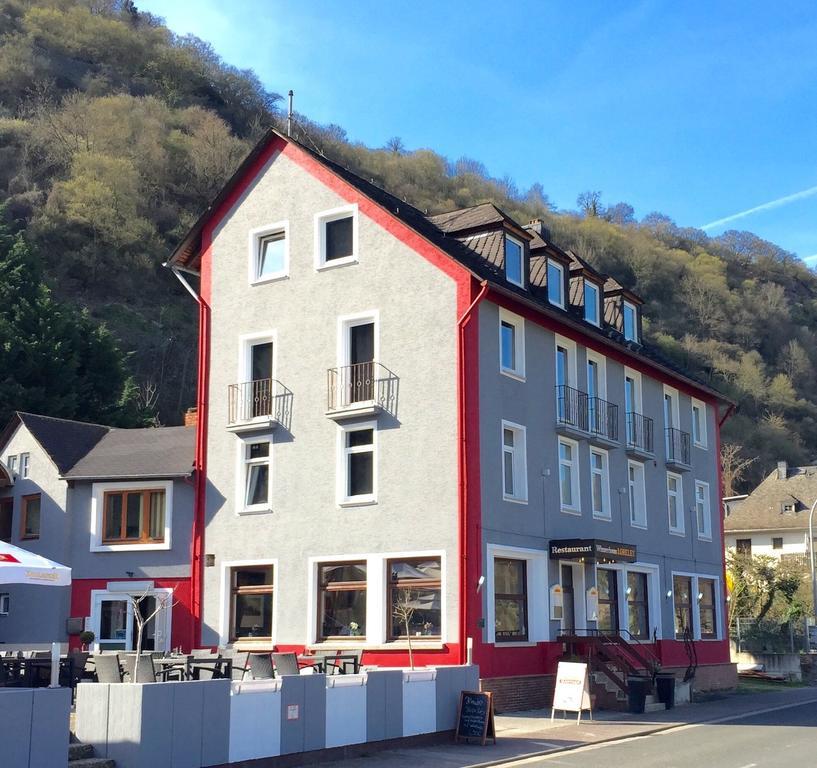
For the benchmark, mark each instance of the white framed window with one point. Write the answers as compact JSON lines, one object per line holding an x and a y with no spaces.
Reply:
{"x":630,"y":313}
{"x":569,"y":476}
{"x":131,"y":515}
{"x":336,"y":237}
{"x":675,"y":503}
{"x":514,"y":261}
{"x":697,"y":604}
{"x":269,"y":253}
{"x":698,"y":423}
{"x":591,"y":302}
{"x":629,"y":599}
{"x":357,"y":464}
{"x":254,"y":486}
{"x":556,"y":283}
{"x":505,"y":604}
{"x":5,"y":603}
{"x":25,"y":464}
{"x":600,"y":483}
{"x":703,"y":515}
{"x":511,"y":344}
{"x":514,"y":462}
{"x":11,"y":463}
{"x":637,"y":494}
{"x":249,"y":603}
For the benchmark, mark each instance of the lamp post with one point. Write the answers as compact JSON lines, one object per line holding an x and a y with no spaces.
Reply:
{"x":811,"y":558}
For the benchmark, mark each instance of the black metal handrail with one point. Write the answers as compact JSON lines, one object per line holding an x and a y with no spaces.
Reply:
{"x":259,"y":399}
{"x":602,"y":418}
{"x":677,"y":445}
{"x":350,"y":385}
{"x":639,"y":432}
{"x":571,"y":407}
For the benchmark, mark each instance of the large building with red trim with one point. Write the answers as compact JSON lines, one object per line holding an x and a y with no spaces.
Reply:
{"x":443,"y":430}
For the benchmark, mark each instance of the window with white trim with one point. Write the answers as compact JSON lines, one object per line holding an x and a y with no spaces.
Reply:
{"x":556,"y":283}
{"x":11,"y":463}
{"x":600,"y":483}
{"x":675,"y":503}
{"x":569,"y":475}
{"x":637,"y":494}
{"x":591,"y":302}
{"x":703,"y":515}
{"x":336,"y":237}
{"x":510,"y":600}
{"x":511,"y":344}
{"x":269,"y":253}
{"x":707,"y":612}
{"x":630,"y":321}
{"x":257,"y":475}
{"x":514,"y":462}
{"x":251,"y":602}
{"x":699,"y":424}
{"x":357,"y":464}
{"x":25,"y":462}
{"x":514,"y":261}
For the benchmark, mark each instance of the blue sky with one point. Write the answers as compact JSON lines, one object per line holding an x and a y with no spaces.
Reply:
{"x":699,"y":110}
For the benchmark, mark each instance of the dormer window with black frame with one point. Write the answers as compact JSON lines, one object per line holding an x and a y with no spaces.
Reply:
{"x":556,"y":284}
{"x":592,"y":311}
{"x":514,"y":261}
{"x":630,"y":321}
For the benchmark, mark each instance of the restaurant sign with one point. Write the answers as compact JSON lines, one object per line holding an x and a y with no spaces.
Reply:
{"x":593,"y":550}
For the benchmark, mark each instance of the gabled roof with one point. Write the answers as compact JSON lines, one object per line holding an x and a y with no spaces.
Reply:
{"x":763,"y":508}
{"x":65,"y":441}
{"x":134,"y":453}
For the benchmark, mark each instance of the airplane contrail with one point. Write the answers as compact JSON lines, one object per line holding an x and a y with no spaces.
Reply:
{"x":764,"y":207}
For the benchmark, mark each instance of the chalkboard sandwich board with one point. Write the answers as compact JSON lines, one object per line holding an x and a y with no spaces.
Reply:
{"x":475,"y":716}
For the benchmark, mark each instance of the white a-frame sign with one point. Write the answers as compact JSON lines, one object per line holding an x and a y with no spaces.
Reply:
{"x":572,"y":692}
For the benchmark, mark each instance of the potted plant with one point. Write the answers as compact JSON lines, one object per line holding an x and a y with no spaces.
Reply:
{"x":86,"y":637}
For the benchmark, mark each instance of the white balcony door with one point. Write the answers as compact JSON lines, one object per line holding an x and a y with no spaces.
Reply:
{"x":113,"y":623}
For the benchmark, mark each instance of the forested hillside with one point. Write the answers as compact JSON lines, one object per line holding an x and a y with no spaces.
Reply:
{"x":115,"y":134}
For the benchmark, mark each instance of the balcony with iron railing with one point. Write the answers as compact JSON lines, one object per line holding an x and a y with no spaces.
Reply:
{"x":639,"y":434}
{"x":256,"y":405}
{"x":362,"y":389}
{"x":677,"y":445}
{"x":580,"y":414}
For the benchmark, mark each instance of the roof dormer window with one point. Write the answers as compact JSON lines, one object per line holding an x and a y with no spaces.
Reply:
{"x":630,"y":322}
{"x":514,"y":251}
{"x":591,"y":302}
{"x":556,"y":283}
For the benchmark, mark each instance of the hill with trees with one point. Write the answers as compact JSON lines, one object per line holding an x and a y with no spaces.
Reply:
{"x":115,"y":134}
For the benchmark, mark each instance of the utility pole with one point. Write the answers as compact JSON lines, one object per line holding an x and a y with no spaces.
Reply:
{"x":811,"y":558}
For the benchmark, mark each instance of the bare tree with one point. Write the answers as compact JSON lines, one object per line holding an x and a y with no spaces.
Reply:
{"x":733,"y":466}
{"x":163,"y":601}
{"x":403,"y":611}
{"x":590,"y":203}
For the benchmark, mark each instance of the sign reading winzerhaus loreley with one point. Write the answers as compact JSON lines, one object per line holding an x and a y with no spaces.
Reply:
{"x":592,"y":549}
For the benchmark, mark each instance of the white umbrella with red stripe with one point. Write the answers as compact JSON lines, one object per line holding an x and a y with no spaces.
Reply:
{"x":19,"y":566}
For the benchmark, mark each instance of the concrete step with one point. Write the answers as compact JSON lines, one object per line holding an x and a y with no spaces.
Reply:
{"x":655,"y":706}
{"x":77,"y":751}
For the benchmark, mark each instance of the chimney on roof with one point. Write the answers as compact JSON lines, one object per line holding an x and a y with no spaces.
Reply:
{"x":538,"y":226}
{"x":782,"y":470}
{"x":191,"y":417}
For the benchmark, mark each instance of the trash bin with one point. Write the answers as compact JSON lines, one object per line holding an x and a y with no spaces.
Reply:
{"x":637,"y":688}
{"x":665,"y":688}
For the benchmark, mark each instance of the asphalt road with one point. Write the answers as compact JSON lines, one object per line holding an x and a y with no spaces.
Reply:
{"x":786,"y":738}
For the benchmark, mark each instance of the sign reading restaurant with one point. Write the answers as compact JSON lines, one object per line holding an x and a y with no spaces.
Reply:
{"x":596,"y":550}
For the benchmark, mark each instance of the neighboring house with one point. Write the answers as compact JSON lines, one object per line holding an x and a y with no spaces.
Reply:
{"x":773,"y":518}
{"x":116,"y":505}
{"x":448,"y":413}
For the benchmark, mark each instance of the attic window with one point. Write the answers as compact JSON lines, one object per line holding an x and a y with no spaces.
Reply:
{"x":269,"y":253}
{"x":591,"y":302}
{"x":630,"y":322}
{"x":788,"y":506}
{"x":513,"y":262}
{"x":336,"y":237}
{"x":556,"y":284}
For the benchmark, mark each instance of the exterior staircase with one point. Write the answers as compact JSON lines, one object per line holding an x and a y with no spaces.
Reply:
{"x":83,"y":756}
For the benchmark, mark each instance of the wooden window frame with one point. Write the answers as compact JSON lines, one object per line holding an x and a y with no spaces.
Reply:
{"x":340,"y":586}
{"x":521,"y":597}
{"x":260,"y":590}
{"x":144,"y":535}
{"x":24,"y":502}
{"x":412,"y":583}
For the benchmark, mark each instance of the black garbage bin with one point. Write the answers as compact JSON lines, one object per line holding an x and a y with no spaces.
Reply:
{"x":637,"y":689}
{"x":665,"y":688}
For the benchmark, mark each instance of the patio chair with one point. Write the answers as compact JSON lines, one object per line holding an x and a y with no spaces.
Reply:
{"x":287,"y":663}
{"x":343,"y":666}
{"x":145,"y":669}
{"x":212,"y":670}
{"x":260,"y":666}
{"x":240,"y":661}
{"x":71,"y":674}
{"x":107,"y":668}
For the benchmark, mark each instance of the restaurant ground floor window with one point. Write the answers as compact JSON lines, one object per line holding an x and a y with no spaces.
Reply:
{"x":510,"y":600}
{"x":697,"y":606}
{"x":628,"y":600}
{"x":342,"y":600}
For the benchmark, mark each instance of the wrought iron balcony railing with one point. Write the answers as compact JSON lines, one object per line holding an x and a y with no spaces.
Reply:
{"x":639,"y":432}
{"x":677,"y":446}
{"x":260,"y":400}
{"x":361,"y":384}
{"x":602,"y":418}
{"x":571,"y":407}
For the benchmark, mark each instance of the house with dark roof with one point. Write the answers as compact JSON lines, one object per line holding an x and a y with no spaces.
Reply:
{"x":773,"y":519}
{"x":449,"y":413}
{"x":116,"y":505}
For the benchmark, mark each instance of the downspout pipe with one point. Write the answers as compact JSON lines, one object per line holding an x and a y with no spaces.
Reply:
{"x":463,"y":467}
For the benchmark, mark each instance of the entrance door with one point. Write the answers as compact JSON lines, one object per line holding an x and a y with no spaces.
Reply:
{"x":261,"y":378}
{"x":569,"y":600}
{"x":361,"y":362}
{"x":607,"y":584}
{"x":113,"y":619}
{"x":116,"y":629}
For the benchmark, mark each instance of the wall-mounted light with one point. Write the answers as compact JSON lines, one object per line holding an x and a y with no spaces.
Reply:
{"x":628,"y":591}
{"x":729,"y":598}
{"x":480,"y":582}
{"x":700,"y":596}
{"x":669,"y":594}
